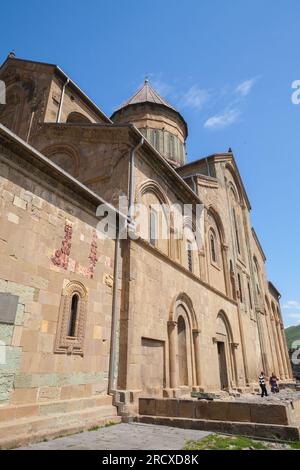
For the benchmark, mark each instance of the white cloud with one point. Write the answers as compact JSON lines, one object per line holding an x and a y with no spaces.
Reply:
{"x":292,"y":319}
{"x":245,"y":87}
{"x":195,"y":97}
{"x":225,"y":119}
{"x":296,"y":316}
{"x":291,"y":304}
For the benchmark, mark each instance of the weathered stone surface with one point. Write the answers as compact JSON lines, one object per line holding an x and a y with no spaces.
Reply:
{"x":147,"y":406}
{"x":8,"y":308}
{"x":6,"y":385}
{"x":273,"y":414}
{"x":6,"y":333}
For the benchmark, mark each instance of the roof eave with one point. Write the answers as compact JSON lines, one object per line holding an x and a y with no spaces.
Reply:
{"x":62,"y":74}
{"x":152,"y":104}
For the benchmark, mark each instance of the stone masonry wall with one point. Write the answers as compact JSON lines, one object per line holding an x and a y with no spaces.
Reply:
{"x":33,"y":219}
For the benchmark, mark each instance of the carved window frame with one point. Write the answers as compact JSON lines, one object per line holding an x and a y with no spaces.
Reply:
{"x":65,"y":344}
{"x":214,"y":257}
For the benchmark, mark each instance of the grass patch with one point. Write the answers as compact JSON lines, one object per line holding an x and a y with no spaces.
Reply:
{"x":106,"y":425}
{"x":109,"y":423}
{"x":295,"y":445}
{"x":215,"y":442}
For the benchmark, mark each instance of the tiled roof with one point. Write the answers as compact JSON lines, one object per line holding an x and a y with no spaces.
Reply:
{"x":146,"y":94}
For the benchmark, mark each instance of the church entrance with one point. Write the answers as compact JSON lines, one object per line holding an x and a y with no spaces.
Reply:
{"x":222,"y":366}
{"x":225,"y":351}
{"x":182,"y":352}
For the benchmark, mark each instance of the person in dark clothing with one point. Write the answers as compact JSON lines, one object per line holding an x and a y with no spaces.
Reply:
{"x":273,"y":383}
{"x":262,"y":384}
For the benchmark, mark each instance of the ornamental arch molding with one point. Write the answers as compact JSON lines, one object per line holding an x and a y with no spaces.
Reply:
{"x":64,"y":342}
{"x":184,"y":344}
{"x":66,"y":156}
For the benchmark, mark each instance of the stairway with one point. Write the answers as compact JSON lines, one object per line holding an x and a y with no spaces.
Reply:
{"x":24,"y":424}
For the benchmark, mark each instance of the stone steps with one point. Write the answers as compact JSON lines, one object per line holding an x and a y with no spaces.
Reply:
{"x":11,"y":412}
{"x":263,"y":431}
{"x":77,"y":416}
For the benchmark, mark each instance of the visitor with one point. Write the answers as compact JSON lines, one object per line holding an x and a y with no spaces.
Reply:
{"x":262,"y":384}
{"x":273,"y":383}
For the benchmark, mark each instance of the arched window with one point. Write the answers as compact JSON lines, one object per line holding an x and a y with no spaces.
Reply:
{"x":213,"y":248}
{"x":152,"y":226}
{"x":190,"y":256}
{"x":232,"y":279}
{"x":240,"y":288}
{"x":250,"y":296}
{"x":65,"y":156}
{"x":172,"y":146}
{"x":77,"y":118}
{"x":72,"y":319}
{"x":257,"y":277}
{"x":156,"y":226}
{"x":156,"y":139}
{"x":73,"y":315}
{"x":236,"y":229}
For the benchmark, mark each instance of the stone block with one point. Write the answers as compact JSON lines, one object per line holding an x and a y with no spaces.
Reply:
{"x":17,"y":335}
{"x":147,"y":406}
{"x":26,"y":411}
{"x":53,"y":407}
{"x":8,"y":307}
{"x":48,"y":394}
{"x":201,"y":410}
{"x":73,"y":391}
{"x":45,"y":343}
{"x":6,"y":333}
{"x":24,"y":396}
{"x":6,"y":385}
{"x":20,"y":314}
{"x":270,"y":414}
{"x":162,"y":408}
{"x":25,"y":293}
{"x":186,"y":409}
{"x":13,"y":218}
{"x":217,"y":410}
{"x":239,"y":412}
{"x":285,"y":433}
{"x":12,"y":359}
{"x":18,"y":202}
{"x":7,"y":413}
{"x":29,"y":340}
{"x":45,"y":380}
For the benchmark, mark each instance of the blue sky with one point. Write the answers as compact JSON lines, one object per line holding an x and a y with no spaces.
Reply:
{"x":227,"y":66}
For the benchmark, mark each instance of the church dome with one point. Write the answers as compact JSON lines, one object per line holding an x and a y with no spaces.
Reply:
{"x":158,"y":121}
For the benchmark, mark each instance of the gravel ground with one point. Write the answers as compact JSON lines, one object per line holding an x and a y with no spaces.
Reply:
{"x":133,"y":436}
{"x":285,"y":395}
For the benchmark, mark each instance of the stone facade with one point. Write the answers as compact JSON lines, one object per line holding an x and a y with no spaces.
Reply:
{"x":152,"y":318}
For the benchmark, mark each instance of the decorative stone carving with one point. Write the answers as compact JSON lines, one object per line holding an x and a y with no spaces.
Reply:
{"x":61,"y":257}
{"x":108,"y":280}
{"x":93,"y":255}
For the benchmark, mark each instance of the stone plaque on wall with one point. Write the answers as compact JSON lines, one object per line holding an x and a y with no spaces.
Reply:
{"x":8,"y":308}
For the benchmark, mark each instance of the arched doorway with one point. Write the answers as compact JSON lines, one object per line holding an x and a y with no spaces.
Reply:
{"x":225,"y":351}
{"x":184,"y":345}
{"x":182,"y":352}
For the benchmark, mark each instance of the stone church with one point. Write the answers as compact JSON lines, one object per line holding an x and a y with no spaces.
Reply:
{"x":89,"y":325}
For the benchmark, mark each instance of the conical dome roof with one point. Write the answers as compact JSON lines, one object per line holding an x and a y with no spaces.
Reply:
{"x":146,"y":94}
{"x":161,"y":124}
